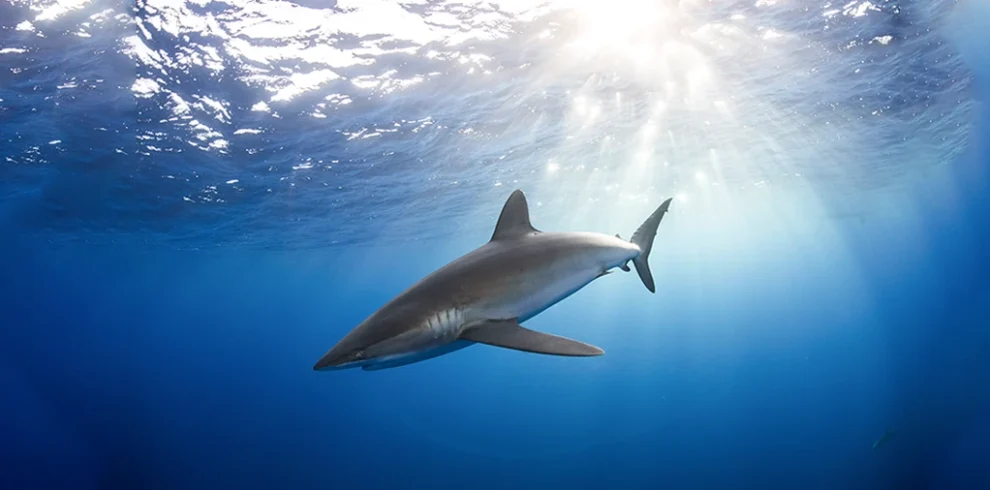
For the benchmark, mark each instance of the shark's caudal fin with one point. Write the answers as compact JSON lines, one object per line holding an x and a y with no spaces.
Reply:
{"x":643,"y":238}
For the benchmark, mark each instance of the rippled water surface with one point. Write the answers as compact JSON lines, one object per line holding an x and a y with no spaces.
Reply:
{"x":297,"y":124}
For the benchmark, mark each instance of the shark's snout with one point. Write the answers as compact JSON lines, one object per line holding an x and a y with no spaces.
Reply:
{"x":337,"y":359}
{"x":326,"y":362}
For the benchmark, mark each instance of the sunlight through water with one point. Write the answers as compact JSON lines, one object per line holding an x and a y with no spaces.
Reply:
{"x":312,"y":108}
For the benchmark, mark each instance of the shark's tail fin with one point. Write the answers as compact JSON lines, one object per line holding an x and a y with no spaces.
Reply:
{"x":643,"y":238}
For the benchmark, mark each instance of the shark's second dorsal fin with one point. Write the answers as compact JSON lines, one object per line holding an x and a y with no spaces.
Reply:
{"x":514,"y":220}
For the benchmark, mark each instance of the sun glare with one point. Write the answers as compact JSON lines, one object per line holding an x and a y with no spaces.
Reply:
{"x":619,"y":23}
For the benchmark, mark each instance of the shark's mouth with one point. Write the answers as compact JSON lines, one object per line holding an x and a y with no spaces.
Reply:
{"x":345,"y":365}
{"x":396,"y":360}
{"x":413,"y":357}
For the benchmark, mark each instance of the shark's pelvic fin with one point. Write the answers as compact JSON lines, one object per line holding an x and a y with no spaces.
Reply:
{"x":624,"y":266}
{"x":643,"y":238}
{"x":511,"y":335}
{"x":514,"y":220}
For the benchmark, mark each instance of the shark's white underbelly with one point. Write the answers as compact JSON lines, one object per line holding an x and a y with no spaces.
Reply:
{"x":410,"y":357}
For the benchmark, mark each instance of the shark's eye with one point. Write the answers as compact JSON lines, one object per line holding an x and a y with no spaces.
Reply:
{"x":359,"y":354}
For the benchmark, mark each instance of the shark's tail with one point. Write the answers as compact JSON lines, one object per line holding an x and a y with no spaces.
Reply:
{"x":643,"y":238}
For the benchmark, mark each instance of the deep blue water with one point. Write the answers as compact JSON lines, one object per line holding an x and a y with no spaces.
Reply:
{"x":199,"y":198}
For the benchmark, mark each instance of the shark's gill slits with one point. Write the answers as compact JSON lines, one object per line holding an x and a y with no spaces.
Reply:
{"x":445,"y":323}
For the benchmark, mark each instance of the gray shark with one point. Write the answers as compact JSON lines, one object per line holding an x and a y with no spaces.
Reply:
{"x":884,"y":439}
{"x":483,"y":296}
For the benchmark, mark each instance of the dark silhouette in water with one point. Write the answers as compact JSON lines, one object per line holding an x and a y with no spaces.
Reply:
{"x":884,"y":439}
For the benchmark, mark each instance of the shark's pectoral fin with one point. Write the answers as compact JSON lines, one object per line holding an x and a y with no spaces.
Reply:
{"x":511,"y":335}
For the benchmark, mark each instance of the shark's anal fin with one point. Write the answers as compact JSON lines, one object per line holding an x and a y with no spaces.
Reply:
{"x":511,"y":335}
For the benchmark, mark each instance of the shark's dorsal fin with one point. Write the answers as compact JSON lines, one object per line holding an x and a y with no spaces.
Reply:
{"x":514,"y":220}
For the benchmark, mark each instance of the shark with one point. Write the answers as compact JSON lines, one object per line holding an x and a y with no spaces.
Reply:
{"x":884,"y":439}
{"x":483,"y":296}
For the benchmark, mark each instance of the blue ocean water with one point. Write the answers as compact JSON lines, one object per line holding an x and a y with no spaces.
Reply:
{"x":198,"y":198}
